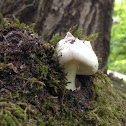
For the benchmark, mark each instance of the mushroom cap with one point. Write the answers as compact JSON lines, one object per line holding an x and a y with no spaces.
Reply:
{"x":71,"y":50}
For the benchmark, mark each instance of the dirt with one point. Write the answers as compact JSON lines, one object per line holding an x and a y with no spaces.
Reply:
{"x":27,"y":68}
{"x":32,"y":87}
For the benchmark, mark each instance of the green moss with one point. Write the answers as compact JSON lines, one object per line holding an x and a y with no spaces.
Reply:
{"x":76,"y":33}
{"x":6,"y":24}
{"x":109,"y":104}
{"x":37,"y":95}
{"x":43,"y":71}
{"x":79,"y":34}
{"x":55,"y":39}
{"x":92,"y":37}
{"x":10,"y":121}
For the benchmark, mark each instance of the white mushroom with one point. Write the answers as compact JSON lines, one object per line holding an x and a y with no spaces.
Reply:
{"x":77,"y":57}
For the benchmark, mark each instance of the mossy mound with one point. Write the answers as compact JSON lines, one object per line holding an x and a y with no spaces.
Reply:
{"x":32,"y":87}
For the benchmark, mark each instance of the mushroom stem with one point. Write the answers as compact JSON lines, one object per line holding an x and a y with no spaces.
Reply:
{"x":70,"y":70}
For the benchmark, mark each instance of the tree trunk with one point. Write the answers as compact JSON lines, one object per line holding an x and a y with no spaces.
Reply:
{"x":56,"y":16}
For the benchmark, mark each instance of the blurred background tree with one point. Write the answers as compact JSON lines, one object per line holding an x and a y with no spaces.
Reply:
{"x":117,"y":59}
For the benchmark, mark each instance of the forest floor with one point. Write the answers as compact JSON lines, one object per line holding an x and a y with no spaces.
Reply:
{"x":118,"y":80}
{"x":32,"y":87}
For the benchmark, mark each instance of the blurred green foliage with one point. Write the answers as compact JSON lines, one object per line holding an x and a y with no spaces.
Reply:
{"x":117,"y":59}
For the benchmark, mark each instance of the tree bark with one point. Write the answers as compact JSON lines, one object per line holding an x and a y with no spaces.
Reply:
{"x":56,"y":16}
